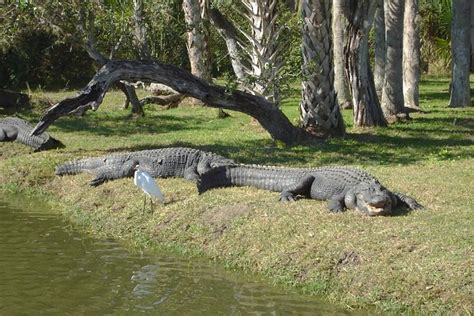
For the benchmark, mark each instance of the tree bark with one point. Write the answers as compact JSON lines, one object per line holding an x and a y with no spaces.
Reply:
{"x":411,"y":55}
{"x":339,"y":25}
{"x":264,"y":49}
{"x":460,"y":46}
{"x":472,"y":37}
{"x":228,"y":32}
{"x":91,"y":96}
{"x":319,"y":109}
{"x":392,"y":92}
{"x":379,"y":50}
{"x":366,"y":106}
{"x":140,"y":30}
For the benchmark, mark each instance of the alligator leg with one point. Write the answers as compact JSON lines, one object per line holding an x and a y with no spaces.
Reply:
{"x":107,"y":173}
{"x":303,"y":187}
{"x":336,"y":205}
{"x":191,"y":174}
{"x":403,"y":199}
{"x":8,"y":133}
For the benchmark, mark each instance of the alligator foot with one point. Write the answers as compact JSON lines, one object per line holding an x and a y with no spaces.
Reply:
{"x":408,"y":201}
{"x":286,"y":196}
{"x":335,"y":206}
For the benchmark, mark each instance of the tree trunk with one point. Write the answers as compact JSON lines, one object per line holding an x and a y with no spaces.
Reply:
{"x":198,"y":48}
{"x":339,"y":25}
{"x":91,"y":96}
{"x":392,"y":92}
{"x":379,"y":50}
{"x":472,"y":37}
{"x":140,"y":30}
{"x":366,"y":106}
{"x":411,"y":55}
{"x":319,"y":110}
{"x":264,"y":50}
{"x":460,"y":45}
{"x":198,"y":43}
{"x":229,"y":34}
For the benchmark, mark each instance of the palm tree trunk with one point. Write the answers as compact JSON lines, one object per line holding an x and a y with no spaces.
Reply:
{"x":460,"y":42}
{"x":411,"y":55}
{"x":366,"y":110}
{"x":392,"y":92}
{"x":319,"y":110}
{"x":265,"y":49}
{"x":379,"y":50}
{"x":339,"y":25}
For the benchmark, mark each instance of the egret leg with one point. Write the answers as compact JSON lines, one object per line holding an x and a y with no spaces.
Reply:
{"x":144,"y":204}
{"x":151,"y":201}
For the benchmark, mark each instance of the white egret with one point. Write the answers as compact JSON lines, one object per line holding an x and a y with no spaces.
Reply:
{"x":146,"y":182}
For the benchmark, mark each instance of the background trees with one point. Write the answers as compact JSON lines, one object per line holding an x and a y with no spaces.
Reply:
{"x":259,"y":53}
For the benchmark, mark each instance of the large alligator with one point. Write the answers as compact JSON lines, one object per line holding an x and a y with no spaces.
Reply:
{"x":18,"y":130}
{"x":162,"y":163}
{"x":342,"y":187}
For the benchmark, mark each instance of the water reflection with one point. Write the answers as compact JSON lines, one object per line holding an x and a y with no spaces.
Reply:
{"x":48,"y":268}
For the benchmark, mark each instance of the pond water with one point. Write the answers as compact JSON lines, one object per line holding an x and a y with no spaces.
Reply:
{"x":47,"y":267}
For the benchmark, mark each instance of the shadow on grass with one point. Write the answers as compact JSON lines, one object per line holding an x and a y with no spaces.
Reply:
{"x":127,"y":125}
{"x":355,"y":149}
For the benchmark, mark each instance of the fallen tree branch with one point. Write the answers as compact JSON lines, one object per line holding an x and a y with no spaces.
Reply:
{"x":91,"y":96}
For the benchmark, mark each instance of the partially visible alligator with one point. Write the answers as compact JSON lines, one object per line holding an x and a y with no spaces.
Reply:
{"x":165,"y":162}
{"x":342,"y":187}
{"x":16,"y":129}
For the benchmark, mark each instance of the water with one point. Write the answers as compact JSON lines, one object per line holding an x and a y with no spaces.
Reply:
{"x":46,"y":267}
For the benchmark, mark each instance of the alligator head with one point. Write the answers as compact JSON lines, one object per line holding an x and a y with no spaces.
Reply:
{"x":370,"y":198}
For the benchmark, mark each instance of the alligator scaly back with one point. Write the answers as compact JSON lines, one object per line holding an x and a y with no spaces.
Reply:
{"x":18,"y":130}
{"x":342,"y":187}
{"x":164,"y":162}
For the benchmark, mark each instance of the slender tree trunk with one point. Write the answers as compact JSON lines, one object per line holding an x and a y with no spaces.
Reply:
{"x":339,"y":25}
{"x":411,"y":55}
{"x":140,"y":30}
{"x":392,"y":92}
{"x":198,"y":48}
{"x":460,"y":42}
{"x":472,"y":37}
{"x":366,"y":106}
{"x":319,"y":110}
{"x":379,"y":50}
{"x":228,"y":32}
{"x":198,"y":43}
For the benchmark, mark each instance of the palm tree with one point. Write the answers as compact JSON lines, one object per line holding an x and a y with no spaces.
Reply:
{"x":411,"y":55}
{"x":366,"y":107}
{"x":339,"y":25}
{"x":379,"y":49}
{"x":392,"y":92}
{"x":319,"y":109}
{"x":460,"y":34}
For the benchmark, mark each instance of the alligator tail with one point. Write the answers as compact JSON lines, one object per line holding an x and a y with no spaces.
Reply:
{"x":33,"y":141}
{"x":78,"y":166}
{"x":214,"y":178}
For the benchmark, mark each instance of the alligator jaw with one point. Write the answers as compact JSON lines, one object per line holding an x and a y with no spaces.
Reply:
{"x":374,"y":209}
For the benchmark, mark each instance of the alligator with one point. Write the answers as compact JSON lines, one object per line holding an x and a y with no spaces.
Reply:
{"x":184,"y":162}
{"x":342,"y":187}
{"x":18,"y":130}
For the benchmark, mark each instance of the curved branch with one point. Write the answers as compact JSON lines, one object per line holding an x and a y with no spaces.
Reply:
{"x":90,"y":97}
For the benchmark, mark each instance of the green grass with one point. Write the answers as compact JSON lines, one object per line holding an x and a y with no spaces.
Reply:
{"x":413,"y":261}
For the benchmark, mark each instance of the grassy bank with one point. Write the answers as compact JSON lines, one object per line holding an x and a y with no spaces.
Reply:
{"x":415,"y":261}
